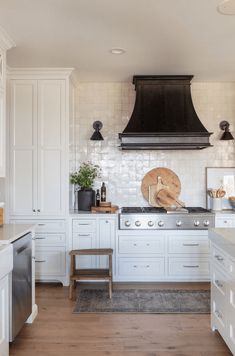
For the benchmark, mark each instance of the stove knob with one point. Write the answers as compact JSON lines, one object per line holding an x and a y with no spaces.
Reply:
{"x":206,"y":223}
{"x":150,"y":223}
{"x":178,"y":223}
{"x":196,"y":223}
{"x":127,"y":223}
{"x":161,"y":223}
{"x":137,"y":223}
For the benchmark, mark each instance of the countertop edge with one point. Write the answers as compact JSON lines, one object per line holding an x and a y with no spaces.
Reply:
{"x":16,"y":235}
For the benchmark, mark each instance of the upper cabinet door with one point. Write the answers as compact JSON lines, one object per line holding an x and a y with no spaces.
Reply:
{"x":23,"y":147}
{"x":51,"y":147}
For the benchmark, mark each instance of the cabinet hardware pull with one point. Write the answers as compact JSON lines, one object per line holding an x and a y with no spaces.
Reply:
{"x":107,"y":221}
{"x":147,"y":244}
{"x":188,"y":266}
{"x":219,"y":258}
{"x":40,"y":238}
{"x":218,"y":283}
{"x":147,"y":266}
{"x":135,"y":244}
{"x":83,"y":224}
{"x":83,"y":235}
{"x":219,"y":315}
{"x":135,"y":266}
{"x":39,"y":210}
{"x":41,"y":224}
{"x":34,"y":210}
{"x":40,"y":261}
{"x":190,"y":244}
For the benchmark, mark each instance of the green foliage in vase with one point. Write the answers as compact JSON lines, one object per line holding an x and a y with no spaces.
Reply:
{"x":86,"y":175}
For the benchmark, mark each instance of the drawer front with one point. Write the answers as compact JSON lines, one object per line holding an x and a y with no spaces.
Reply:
{"x":219,"y":281}
{"x":218,"y":308}
{"x":50,"y":239}
{"x":141,"y":267}
{"x":224,"y":222}
{"x":50,"y":261}
{"x":83,"y":225}
{"x":136,"y":245}
{"x":187,"y":267}
{"x":189,"y":244}
{"x":44,"y":225}
{"x":219,"y":258}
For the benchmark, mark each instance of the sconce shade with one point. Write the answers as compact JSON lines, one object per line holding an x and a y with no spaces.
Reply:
{"x":227,"y":136}
{"x":96,"y":136}
{"x":224,"y":125}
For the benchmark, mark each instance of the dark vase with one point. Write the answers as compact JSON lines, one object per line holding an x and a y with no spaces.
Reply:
{"x":86,"y":199}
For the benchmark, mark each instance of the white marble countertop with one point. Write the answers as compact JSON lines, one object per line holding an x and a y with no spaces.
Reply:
{"x":81,"y":212}
{"x":11,"y":232}
{"x":224,"y":238}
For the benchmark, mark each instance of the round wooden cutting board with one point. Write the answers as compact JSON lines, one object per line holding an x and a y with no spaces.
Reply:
{"x":161,"y":179}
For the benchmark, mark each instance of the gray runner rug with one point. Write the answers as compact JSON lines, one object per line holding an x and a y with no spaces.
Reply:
{"x":143,"y":301}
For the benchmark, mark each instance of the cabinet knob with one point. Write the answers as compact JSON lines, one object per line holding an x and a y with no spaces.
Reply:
{"x":39,"y":210}
{"x":34,"y":210}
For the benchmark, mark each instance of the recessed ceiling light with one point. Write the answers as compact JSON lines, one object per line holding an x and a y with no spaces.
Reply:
{"x":117,"y":51}
{"x":227,"y":7}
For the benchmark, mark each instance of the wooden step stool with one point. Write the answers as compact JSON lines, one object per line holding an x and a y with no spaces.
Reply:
{"x":93,"y":273}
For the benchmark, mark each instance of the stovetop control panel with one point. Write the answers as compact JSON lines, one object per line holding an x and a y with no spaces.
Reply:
{"x":166,"y":221}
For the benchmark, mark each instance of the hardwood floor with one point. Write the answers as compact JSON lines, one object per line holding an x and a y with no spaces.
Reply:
{"x":59,"y":332}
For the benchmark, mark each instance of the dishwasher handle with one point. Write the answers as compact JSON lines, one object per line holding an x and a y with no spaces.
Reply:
{"x":22,"y":249}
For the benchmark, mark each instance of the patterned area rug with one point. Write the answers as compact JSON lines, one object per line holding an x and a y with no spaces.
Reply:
{"x":143,"y":301}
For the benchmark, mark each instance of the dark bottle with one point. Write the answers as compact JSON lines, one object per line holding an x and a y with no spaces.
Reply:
{"x":103,"y":192}
{"x":97,"y":198}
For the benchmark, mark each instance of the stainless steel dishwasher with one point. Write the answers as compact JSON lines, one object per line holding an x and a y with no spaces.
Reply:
{"x":21,"y":284}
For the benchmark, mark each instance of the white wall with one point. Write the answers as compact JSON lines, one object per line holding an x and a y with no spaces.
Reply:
{"x":112,"y":103}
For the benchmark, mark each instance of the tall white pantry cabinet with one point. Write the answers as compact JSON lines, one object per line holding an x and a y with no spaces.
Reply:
{"x":38,"y":172}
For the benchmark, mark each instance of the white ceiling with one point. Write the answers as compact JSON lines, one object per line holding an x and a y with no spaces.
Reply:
{"x":159,"y":36}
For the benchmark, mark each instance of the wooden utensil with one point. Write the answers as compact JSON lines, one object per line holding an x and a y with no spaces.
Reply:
{"x":168,"y":179}
{"x":165,"y":199}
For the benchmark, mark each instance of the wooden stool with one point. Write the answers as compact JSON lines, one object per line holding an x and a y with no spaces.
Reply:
{"x":93,"y":273}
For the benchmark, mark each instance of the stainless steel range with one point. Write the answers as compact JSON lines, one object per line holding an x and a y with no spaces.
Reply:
{"x":150,"y":218}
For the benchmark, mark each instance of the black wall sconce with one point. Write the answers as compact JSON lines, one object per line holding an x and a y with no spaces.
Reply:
{"x":224,"y":125}
{"x":96,"y":136}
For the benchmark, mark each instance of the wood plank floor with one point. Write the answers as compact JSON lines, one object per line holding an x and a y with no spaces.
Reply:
{"x":58,"y":332}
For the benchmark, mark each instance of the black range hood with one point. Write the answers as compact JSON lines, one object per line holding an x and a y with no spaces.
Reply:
{"x":164,"y":116}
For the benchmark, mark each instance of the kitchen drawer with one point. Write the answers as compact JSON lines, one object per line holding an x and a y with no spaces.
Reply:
{"x":218,"y":309}
{"x":50,"y":261}
{"x":219,"y":258}
{"x":224,"y":221}
{"x":44,"y":225}
{"x":189,"y":244}
{"x":187,"y":267}
{"x":50,"y":239}
{"x":219,"y":281}
{"x":141,"y":267}
{"x":141,"y":244}
{"x":83,"y":225}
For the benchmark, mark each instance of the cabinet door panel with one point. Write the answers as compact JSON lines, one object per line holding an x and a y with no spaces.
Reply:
{"x":51,"y":147}
{"x":106,"y":238}
{"x":23,"y":147}
{"x":85,"y":241}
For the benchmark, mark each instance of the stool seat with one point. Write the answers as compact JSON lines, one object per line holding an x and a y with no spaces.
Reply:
{"x":92,"y":273}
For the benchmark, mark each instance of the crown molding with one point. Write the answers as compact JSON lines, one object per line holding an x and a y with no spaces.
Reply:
{"x":38,"y":72}
{"x":6,"y":42}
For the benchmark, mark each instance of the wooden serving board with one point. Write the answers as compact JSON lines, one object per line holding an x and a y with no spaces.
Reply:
{"x":164,"y":180}
{"x":104,"y":209}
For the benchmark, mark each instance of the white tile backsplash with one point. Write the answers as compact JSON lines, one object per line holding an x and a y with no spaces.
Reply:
{"x":112,"y":103}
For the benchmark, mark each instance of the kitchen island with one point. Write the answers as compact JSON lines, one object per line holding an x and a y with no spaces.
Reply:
{"x":223,"y":283}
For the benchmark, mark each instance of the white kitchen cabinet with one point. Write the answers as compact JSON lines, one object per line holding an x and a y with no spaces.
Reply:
{"x":93,"y":231}
{"x":5,"y":44}
{"x":162,"y":255}
{"x":38,"y":176}
{"x":224,"y":220}
{"x":4,"y":313}
{"x":51,"y":257}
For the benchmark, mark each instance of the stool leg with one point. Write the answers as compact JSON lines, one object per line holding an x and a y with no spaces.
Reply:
{"x":72,"y":282}
{"x":110,"y":276}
